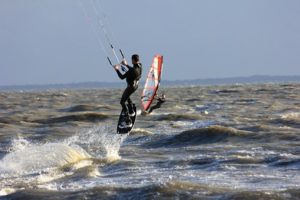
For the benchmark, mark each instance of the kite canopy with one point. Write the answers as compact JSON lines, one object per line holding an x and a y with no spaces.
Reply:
{"x":152,"y":82}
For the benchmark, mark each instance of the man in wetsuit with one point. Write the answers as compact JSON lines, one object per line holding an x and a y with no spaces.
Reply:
{"x":132,"y":76}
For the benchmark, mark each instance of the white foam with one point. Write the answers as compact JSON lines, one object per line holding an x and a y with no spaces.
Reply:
{"x":103,"y":137}
{"x":139,"y":112}
{"x":25,"y":157}
{"x":18,"y":144}
{"x":40,"y":164}
{"x":193,"y":124}
{"x":291,"y":115}
{"x":6,"y":191}
{"x":40,"y":157}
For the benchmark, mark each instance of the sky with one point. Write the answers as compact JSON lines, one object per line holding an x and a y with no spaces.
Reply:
{"x":64,"y":41}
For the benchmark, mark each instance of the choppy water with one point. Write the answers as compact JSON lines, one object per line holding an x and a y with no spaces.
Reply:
{"x":214,"y":142}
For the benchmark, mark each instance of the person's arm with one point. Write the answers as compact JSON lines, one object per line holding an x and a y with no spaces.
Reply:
{"x":161,"y":99}
{"x":121,"y":76}
{"x":124,"y":62}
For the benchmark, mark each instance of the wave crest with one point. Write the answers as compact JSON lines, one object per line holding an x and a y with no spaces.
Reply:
{"x":86,"y":117}
{"x":212,"y":134}
{"x":178,"y":117}
{"x":38,"y":158}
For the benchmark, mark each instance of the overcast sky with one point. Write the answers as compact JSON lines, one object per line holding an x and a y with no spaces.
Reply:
{"x":55,"y":41}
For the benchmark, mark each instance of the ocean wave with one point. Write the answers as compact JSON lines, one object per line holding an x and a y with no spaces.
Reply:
{"x":288,"y":162}
{"x":11,"y":120}
{"x":172,"y":190}
{"x":30,"y":121}
{"x":37,"y":165}
{"x":280,"y":195}
{"x":84,"y":108}
{"x":227,"y":91}
{"x":183,"y":189}
{"x":208,"y":107}
{"x":195,"y":163}
{"x":27,"y":165}
{"x":193,"y":100}
{"x":191,"y":124}
{"x":86,"y":117}
{"x":2,"y":125}
{"x":290,"y":119}
{"x":140,"y":131}
{"x":291,"y":116}
{"x":178,"y":117}
{"x":167,"y":190}
{"x":212,"y":134}
{"x":38,"y":158}
{"x":265,"y":90}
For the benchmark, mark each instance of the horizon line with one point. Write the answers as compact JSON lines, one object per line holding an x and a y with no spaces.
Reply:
{"x":168,"y":81}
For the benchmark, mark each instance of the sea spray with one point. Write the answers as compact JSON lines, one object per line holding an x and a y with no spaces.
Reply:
{"x":101,"y":141}
{"x":7,"y":164}
{"x":18,"y":144}
{"x":33,"y":164}
{"x":39,"y":158}
{"x":112,"y":144}
{"x":110,"y":141}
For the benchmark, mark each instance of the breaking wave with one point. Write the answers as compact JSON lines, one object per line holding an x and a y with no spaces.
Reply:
{"x":38,"y":158}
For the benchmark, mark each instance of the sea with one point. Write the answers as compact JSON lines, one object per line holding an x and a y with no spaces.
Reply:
{"x":235,"y":141}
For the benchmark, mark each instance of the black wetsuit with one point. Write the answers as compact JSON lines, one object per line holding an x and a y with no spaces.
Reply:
{"x":158,"y":104}
{"x":132,"y":77}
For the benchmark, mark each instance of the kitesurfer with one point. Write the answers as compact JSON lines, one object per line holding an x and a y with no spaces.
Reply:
{"x":132,"y":76}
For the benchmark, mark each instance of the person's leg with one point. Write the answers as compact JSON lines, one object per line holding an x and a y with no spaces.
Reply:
{"x":125,"y":96}
{"x":154,"y":107}
{"x":130,"y":106}
{"x":158,"y":104}
{"x":126,"y":121}
{"x":129,"y":101}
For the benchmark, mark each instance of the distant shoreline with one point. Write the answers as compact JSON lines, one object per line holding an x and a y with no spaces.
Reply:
{"x":257,"y":79}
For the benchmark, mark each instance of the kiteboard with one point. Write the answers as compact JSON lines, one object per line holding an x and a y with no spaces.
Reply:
{"x":152,"y":82}
{"x":121,"y":119}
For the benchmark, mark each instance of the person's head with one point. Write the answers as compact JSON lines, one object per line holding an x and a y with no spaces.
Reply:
{"x":135,"y":59}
